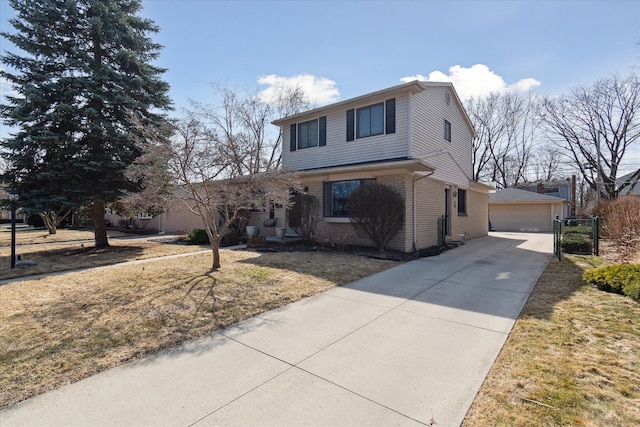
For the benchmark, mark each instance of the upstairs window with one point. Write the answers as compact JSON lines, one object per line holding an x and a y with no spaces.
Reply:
{"x":370,"y":120}
{"x":307,"y":134}
{"x":447,"y":130}
{"x":375,"y":119}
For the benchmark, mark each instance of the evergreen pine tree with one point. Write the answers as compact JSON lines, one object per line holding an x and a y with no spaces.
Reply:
{"x":86,"y":88}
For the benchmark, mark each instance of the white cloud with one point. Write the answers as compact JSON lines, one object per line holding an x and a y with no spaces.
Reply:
{"x":318,"y":90}
{"x":475,"y":81}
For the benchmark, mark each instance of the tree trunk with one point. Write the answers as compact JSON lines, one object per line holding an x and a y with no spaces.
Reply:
{"x":99,"y":226}
{"x":49,"y":219}
{"x":215,"y":249}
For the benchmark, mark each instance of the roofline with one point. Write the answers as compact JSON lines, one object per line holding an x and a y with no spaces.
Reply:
{"x":512,"y":202}
{"x":414,"y":86}
{"x":409,"y":165}
{"x":481,"y":185}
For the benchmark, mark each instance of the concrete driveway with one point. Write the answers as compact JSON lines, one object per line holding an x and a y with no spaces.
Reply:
{"x":407,"y":346}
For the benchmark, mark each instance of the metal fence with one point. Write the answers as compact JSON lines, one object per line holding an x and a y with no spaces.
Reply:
{"x":576,"y":236}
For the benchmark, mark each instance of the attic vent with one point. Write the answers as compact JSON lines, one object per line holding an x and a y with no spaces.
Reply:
{"x":447,"y":97}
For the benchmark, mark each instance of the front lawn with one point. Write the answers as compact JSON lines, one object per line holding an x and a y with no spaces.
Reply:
{"x":63,"y":328}
{"x":572,"y":359}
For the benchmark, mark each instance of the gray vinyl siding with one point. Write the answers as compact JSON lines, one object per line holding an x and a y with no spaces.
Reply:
{"x":429,"y":110}
{"x":339,"y":151}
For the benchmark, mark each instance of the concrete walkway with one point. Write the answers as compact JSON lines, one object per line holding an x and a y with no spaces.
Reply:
{"x":408,"y":346}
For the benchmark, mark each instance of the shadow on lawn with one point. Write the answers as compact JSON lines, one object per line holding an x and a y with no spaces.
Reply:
{"x":65,"y":259}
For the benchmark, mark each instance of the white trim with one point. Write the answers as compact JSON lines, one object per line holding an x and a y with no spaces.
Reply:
{"x":337,"y":220}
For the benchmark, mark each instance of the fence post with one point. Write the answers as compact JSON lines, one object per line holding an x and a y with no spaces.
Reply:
{"x":595,"y":227}
{"x":557,"y":237}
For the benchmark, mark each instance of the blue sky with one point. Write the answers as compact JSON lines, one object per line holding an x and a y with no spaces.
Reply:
{"x":349,"y":48}
{"x":341,"y":49}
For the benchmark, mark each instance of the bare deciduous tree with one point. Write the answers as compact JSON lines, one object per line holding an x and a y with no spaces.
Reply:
{"x":546,"y":163}
{"x":596,"y":125}
{"x":151,"y":171}
{"x":505,"y":126}
{"x":226,"y":160}
{"x":490,"y":124}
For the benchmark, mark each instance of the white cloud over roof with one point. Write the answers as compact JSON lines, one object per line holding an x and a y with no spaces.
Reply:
{"x":318,"y":90}
{"x":475,"y":81}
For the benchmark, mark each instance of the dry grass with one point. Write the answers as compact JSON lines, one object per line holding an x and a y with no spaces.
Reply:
{"x":67,"y":327}
{"x":572,"y":359}
{"x":66,"y":256}
{"x":28,"y":236}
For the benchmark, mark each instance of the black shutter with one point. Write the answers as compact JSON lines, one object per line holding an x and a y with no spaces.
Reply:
{"x":292,"y":137}
{"x":322,"y":131}
{"x":350,"y":123}
{"x":391,"y":115}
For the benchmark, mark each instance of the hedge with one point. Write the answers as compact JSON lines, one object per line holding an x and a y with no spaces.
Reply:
{"x":619,"y":278}
{"x":197,"y":236}
{"x":577,"y":244}
{"x":578,"y":229}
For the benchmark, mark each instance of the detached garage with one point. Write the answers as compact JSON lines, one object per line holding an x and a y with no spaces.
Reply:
{"x":511,"y":209}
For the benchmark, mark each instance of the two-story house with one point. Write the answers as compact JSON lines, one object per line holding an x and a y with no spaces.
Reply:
{"x":414,"y":137}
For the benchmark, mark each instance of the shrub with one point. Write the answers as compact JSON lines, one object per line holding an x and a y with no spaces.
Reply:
{"x":230,"y":239}
{"x":239,"y":224}
{"x":35,"y":221}
{"x":256,"y":240}
{"x":621,"y":224}
{"x":430,"y":251}
{"x":577,"y":244}
{"x":197,"y":236}
{"x":378,"y":210}
{"x":304,"y":214}
{"x":620,"y":278}
{"x":578,"y":229}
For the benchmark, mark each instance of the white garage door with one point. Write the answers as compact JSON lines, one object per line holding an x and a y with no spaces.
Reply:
{"x":532,"y":217}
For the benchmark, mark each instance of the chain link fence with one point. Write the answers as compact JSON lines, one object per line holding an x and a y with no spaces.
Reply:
{"x":576,"y":236}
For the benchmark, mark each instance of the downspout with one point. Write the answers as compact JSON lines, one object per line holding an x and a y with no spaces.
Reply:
{"x":415,"y":230}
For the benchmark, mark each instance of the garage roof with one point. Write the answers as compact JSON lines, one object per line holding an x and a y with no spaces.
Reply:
{"x":513,"y":195}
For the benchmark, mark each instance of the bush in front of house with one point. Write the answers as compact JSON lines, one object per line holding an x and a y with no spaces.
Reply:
{"x":430,"y":251}
{"x":573,"y":243}
{"x":230,"y":239}
{"x":304,"y":216}
{"x":197,"y":236}
{"x":619,"y":278}
{"x":378,"y":210}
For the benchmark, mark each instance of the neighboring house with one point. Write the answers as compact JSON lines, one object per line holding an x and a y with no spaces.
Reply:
{"x":414,"y":137}
{"x":177,"y":218}
{"x":634,"y":189}
{"x":564,"y":189}
{"x":511,"y":209}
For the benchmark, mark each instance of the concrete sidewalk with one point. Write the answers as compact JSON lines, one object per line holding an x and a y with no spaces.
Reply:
{"x":402,"y":347}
